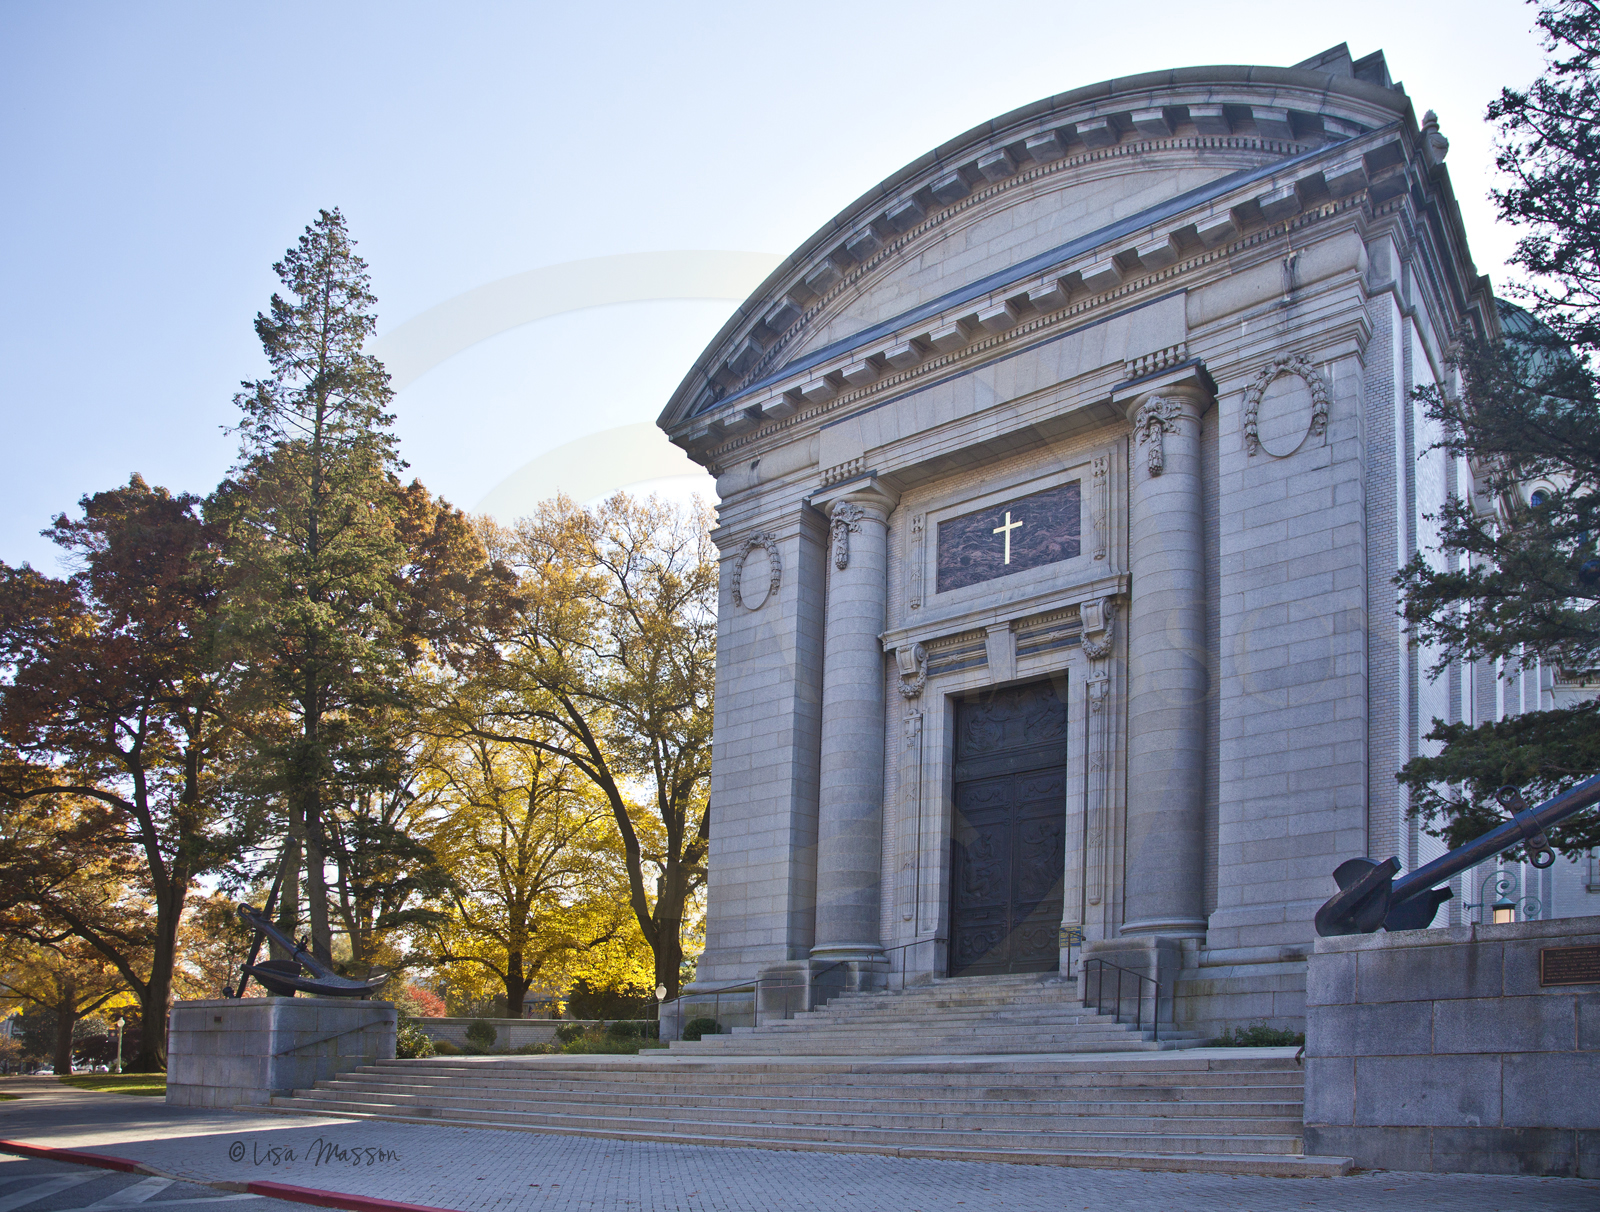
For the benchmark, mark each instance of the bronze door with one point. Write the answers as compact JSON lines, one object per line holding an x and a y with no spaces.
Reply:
{"x":1008,"y":848}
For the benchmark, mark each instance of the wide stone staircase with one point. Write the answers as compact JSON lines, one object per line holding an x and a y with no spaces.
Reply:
{"x":952,"y":1017}
{"x":1222,"y":1110}
{"x":985,"y":1069}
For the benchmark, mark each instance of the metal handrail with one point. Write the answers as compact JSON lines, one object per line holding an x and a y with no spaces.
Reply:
{"x":811,"y":979}
{"x":1138,"y":1012}
{"x":903,"y":947}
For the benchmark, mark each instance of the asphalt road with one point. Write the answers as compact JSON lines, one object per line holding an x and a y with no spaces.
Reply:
{"x":31,"y":1185}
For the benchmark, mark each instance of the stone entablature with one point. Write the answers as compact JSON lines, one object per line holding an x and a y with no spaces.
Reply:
{"x":933,"y":345}
{"x":1213,"y":372}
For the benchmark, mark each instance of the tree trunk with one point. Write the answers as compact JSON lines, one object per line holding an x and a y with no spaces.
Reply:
{"x":317,"y":891}
{"x":517,"y":983}
{"x":288,"y":918}
{"x":310,"y":776}
{"x":66,"y":1019}
{"x":669,"y":954}
{"x":155,"y":999}
{"x":671,"y":893}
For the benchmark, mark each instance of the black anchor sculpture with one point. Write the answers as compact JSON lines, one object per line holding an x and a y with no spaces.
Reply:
{"x":304,"y":973}
{"x":1369,"y":896}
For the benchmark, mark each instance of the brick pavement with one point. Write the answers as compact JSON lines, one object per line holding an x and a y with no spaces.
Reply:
{"x":483,"y":1170}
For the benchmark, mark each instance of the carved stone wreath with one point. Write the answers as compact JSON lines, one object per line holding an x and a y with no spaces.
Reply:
{"x":1098,"y":646}
{"x":759,"y":539}
{"x":913,"y":664}
{"x":1295,"y":364}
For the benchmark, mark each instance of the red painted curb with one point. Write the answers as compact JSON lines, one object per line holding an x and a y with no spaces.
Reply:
{"x":284,"y":1191}
{"x":335,"y":1199}
{"x":77,"y":1156}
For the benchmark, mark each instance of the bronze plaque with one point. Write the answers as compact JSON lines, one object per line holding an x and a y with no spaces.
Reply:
{"x":1569,"y":965}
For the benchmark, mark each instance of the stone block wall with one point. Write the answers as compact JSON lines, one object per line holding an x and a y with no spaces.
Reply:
{"x":230,"y":1052}
{"x":1217,"y":998}
{"x":510,"y":1033}
{"x":1439,"y":1050}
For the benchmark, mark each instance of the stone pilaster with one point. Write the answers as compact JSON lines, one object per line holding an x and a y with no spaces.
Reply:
{"x":850,"y":804}
{"x":1167,"y":670}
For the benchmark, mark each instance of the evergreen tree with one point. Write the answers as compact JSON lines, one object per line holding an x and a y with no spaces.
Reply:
{"x":343,"y":579}
{"x":312,"y":512}
{"x":1524,"y":584}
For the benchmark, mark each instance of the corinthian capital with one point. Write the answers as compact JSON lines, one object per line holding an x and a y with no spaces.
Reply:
{"x":1154,"y":419}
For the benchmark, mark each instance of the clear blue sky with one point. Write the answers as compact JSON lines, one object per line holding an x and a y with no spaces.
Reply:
{"x":158,"y":158}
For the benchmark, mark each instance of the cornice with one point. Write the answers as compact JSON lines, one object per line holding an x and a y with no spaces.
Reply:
{"x":936,"y":626}
{"x":1031,"y":331}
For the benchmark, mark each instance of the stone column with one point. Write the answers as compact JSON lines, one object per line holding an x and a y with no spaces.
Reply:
{"x":850,"y":802}
{"x":1167,"y":669}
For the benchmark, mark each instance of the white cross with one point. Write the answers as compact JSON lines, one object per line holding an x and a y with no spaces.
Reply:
{"x":1006,"y":530}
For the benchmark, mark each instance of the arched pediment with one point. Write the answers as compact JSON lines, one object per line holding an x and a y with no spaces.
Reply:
{"x":1008,"y":193}
{"x":1010,"y":223}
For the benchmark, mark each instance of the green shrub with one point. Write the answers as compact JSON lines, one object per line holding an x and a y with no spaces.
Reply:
{"x":481,"y":1034}
{"x":595,"y":1042}
{"x":1258,"y":1036}
{"x":634,"y":1028}
{"x":570,"y":1031}
{"x":443,"y":1047}
{"x":536,"y":1049}
{"x":411,"y":1042}
{"x":697,"y":1027}
{"x":621,"y":1001}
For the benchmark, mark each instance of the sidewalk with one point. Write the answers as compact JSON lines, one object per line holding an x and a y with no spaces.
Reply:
{"x":482,"y":1170}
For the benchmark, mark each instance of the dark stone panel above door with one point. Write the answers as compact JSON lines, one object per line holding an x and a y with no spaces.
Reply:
{"x":1027,"y":532}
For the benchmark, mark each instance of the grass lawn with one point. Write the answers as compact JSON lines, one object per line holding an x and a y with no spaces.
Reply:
{"x":118,"y":1083}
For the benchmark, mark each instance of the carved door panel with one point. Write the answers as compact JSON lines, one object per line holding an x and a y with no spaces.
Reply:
{"x":1008,"y":846}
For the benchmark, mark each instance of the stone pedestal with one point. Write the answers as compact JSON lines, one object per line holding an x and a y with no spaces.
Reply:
{"x":850,"y":800}
{"x":1441,"y":1050}
{"x":239,"y":1051}
{"x":1167,"y":667}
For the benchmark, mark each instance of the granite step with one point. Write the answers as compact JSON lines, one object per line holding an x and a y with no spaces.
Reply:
{"x":1180,"y":1111}
{"x":1195,"y":1069}
{"x":1038,"y":1013}
{"x":1275,"y":1165}
{"x":1100,"y":1120}
{"x":975,"y":1031}
{"x":1020,"y":1015}
{"x":1218,"y":1101}
{"x":1018,"y":1101}
{"x":851,"y":1044}
{"x":1089,"y":1139}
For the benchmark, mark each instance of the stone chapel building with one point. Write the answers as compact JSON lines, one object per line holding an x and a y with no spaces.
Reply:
{"x":1063,"y":480}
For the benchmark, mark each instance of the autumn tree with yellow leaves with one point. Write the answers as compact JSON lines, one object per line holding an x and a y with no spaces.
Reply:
{"x":539,"y":894}
{"x":68,"y":977}
{"x":607,"y":666}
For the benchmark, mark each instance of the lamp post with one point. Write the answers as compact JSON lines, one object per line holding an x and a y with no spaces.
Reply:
{"x":117,"y":1068}
{"x":1508,"y":899}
